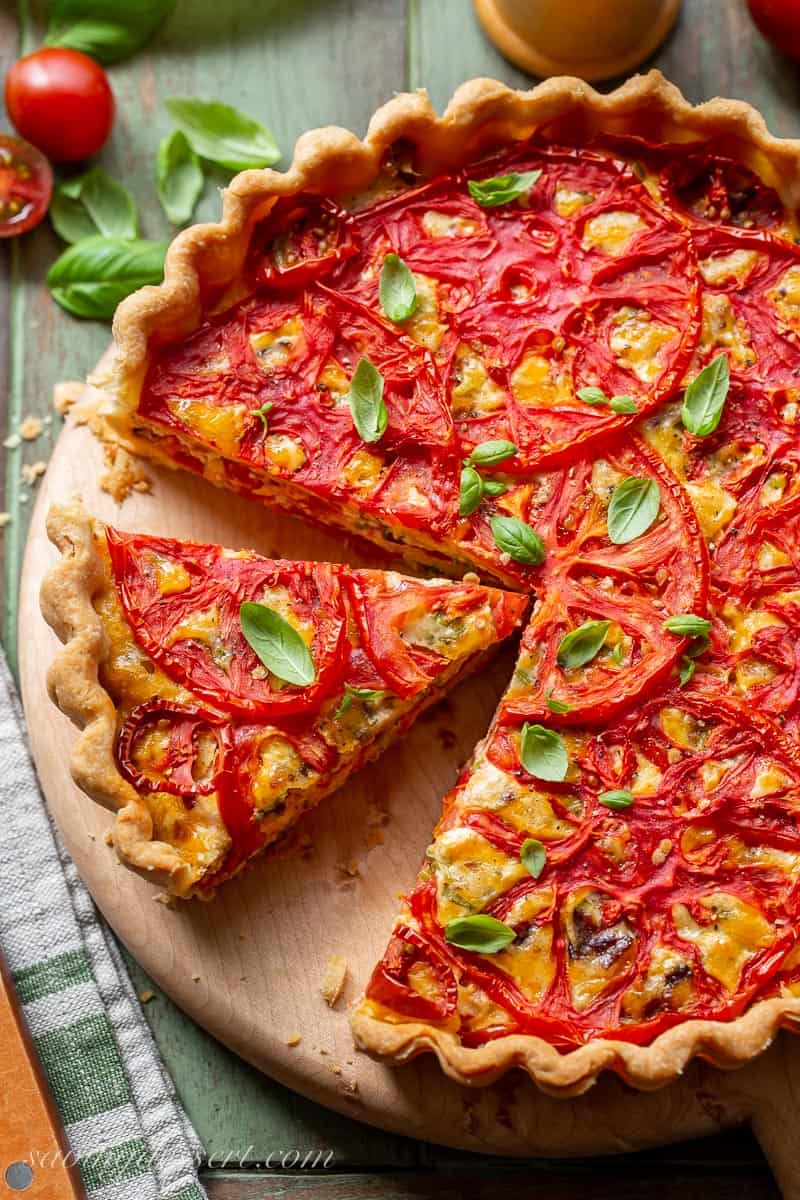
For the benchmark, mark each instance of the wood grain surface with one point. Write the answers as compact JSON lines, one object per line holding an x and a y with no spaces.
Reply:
{"x":307,"y":63}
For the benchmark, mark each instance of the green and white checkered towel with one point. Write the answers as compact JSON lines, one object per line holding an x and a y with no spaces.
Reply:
{"x":126,"y":1127}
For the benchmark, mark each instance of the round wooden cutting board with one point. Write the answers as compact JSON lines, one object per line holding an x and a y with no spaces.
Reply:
{"x":248,"y":966}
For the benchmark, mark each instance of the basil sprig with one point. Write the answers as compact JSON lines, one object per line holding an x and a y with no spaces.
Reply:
{"x":501,"y":189}
{"x":106,"y":30}
{"x":633,"y":508}
{"x":263,"y":415}
{"x":518,"y":540}
{"x":704,"y":398}
{"x":489,"y":454}
{"x":93,"y":276}
{"x":277,"y":644}
{"x":616,"y":799}
{"x":357,"y":693}
{"x":618,"y":404}
{"x":555,"y":705}
{"x":533,"y":856}
{"x":583,"y":644}
{"x":543,"y":753}
{"x":93,"y":204}
{"x":221,"y":134}
{"x":367,"y":406}
{"x":397,"y":290}
{"x":480,"y":933}
{"x":179,"y":177}
{"x":471,"y":492}
{"x":687,"y":625}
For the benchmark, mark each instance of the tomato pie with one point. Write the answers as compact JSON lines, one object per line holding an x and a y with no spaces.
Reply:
{"x":552,"y":338}
{"x":225,"y":694}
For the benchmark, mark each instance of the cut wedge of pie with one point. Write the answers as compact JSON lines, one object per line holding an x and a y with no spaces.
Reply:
{"x":552,"y":337}
{"x":225,"y":694}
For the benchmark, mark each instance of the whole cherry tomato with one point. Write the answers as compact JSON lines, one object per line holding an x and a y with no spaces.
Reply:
{"x":779,"y":21}
{"x":61,"y":101}
{"x":26,"y":182}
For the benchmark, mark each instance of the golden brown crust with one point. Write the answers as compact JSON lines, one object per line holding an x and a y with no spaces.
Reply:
{"x":206,"y":259}
{"x":73,"y":684}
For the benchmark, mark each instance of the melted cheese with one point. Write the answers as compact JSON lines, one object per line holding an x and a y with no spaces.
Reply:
{"x":682,"y":728}
{"x":171,"y":576}
{"x":665,"y":433}
{"x":567,"y":201}
{"x":713,"y":505}
{"x":612,"y":232}
{"x":526,"y":809}
{"x":218,"y":425}
{"x":733,"y":932}
{"x":273,"y":348}
{"x":744,"y":624}
{"x":473,"y":391}
{"x":723,"y":331}
{"x":722,"y":268}
{"x":541,"y":382}
{"x":667,"y":983}
{"x":786,"y":297}
{"x":450,"y":636}
{"x":424,"y":326}
{"x":605,"y":479}
{"x":333,"y":381}
{"x":278,"y":768}
{"x":761,"y":858}
{"x":284,"y":453}
{"x":597,"y":952}
{"x":446,"y":225}
{"x":637,"y":340}
{"x":770,"y":779}
{"x":363,"y":472}
{"x":470,"y":872}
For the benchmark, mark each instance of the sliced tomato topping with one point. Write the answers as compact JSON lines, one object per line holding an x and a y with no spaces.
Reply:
{"x":717,"y":190}
{"x":302,"y":240}
{"x":182,"y":602}
{"x":409,"y":957}
{"x":176,"y":761}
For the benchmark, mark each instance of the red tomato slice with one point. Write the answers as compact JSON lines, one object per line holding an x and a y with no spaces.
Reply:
{"x":302,"y":240}
{"x":717,"y":190}
{"x":212,"y":658}
{"x":26,"y":184}
{"x":175,"y":772}
{"x":390,"y":985}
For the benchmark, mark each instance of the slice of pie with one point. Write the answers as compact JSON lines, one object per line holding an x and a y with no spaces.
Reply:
{"x":223,"y":694}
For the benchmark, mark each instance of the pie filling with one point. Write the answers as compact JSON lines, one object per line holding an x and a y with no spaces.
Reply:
{"x":227,"y":755}
{"x":591,"y":394}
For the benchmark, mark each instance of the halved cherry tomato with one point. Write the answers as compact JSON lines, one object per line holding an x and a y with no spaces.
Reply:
{"x":26,"y":184}
{"x":61,"y":101}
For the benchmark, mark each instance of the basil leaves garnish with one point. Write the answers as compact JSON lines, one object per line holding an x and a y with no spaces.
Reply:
{"x":704,"y":398}
{"x":543,"y":753}
{"x":581,"y":645}
{"x":633,"y":508}
{"x":179,"y":177}
{"x":221,"y":134}
{"x":277,"y":644}
{"x":91,"y":205}
{"x":555,"y":705}
{"x":501,"y":188}
{"x":106,"y":30}
{"x":533,"y":856}
{"x":397,"y":290}
{"x":687,"y":625}
{"x":618,"y":404}
{"x":618,"y":798}
{"x":518,"y":540}
{"x":688,"y":667}
{"x":489,"y":454}
{"x":471,"y":492}
{"x":481,"y":933}
{"x":262,"y":414}
{"x":365,"y":398}
{"x":91,"y":277}
{"x":494,"y":487}
{"x":357,"y":693}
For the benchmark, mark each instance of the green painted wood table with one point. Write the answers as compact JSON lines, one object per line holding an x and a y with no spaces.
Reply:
{"x":296,"y":64}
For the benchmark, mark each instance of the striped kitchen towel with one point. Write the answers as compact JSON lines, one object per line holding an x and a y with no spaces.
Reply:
{"x":127,"y":1130}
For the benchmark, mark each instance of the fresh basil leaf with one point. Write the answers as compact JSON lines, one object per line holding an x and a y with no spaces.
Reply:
{"x":501,"y":188}
{"x":583,"y":644}
{"x":494,"y":488}
{"x":92,"y":204}
{"x":471,"y":492}
{"x":704,"y":398}
{"x":618,"y":798}
{"x":633,"y":508}
{"x":262,"y":414}
{"x":398,"y":292}
{"x":356,"y":693}
{"x":543,"y":753}
{"x":557,"y":706}
{"x":697,"y":646}
{"x":222,"y":134}
{"x":533,"y":857}
{"x":518,"y":540}
{"x":106,"y":30}
{"x":687,"y":625}
{"x":623,"y":404}
{"x":277,"y":644}
{"x":365,"y":398}
{"x":489,"y":454}
{"x":179,"y":177}
{"x":617,"y":653}
{"x":688,"y":666}
{"x":480,"y":933}
{"x":92,"y":277}
{"x":592,"y":395}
